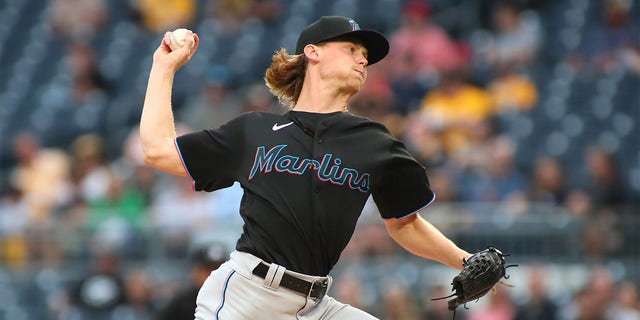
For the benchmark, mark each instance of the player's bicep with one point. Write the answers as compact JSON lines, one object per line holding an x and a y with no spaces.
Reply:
{"x":165,"y":157}
{"x":395,"y":226}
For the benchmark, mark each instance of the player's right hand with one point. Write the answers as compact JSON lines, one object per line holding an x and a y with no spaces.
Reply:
{"x":174,"y":60}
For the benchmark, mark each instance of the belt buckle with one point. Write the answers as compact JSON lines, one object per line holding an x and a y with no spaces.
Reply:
{"x":323,"y":283}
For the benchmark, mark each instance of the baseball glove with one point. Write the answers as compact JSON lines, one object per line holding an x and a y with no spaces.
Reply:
{"x":482,"y":271}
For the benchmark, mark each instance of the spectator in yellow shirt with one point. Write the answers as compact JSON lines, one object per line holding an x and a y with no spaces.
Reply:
{"x":164,"y":15}
{"x":455,"y":108}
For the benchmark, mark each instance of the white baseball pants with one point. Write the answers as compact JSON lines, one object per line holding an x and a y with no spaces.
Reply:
{"x":232,"y":292}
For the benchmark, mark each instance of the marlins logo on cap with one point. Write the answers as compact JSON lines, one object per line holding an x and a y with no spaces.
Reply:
{"x":354,"y":25}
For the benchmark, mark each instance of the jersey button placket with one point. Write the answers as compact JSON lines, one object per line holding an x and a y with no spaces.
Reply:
{"x":318,"y":139}
{"x":316,"y":189}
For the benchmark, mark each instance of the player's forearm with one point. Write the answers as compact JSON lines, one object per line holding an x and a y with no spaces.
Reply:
{"x":157,"y":128}
{"x":421,"y":238}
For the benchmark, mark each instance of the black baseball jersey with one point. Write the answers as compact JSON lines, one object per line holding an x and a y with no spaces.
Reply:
{"x":306,"y":178}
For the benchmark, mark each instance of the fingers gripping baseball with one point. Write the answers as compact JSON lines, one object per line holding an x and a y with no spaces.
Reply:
{"x":184,"y":44}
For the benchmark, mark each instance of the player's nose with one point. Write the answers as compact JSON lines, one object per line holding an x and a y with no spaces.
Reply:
{"x":362,"y":60}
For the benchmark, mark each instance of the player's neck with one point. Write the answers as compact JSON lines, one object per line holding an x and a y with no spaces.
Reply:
{"x":314,"y":109}
{"x":321,"y":100}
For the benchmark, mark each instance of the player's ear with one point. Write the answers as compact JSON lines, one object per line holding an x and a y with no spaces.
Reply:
{"x":311,"y":52}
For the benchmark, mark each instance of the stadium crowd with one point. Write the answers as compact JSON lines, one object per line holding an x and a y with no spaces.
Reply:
{"x":87,"y":231}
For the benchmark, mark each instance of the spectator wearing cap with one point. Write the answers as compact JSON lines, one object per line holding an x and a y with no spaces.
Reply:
{"x":204,"y":259}
{"x":421,"y":50}
{"x":420,"y":40}
{"x":215,"y":104}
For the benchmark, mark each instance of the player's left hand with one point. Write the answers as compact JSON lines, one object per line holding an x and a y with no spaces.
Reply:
{"x":482,"y":271}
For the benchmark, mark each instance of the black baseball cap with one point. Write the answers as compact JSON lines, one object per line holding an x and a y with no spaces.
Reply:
{"x":335,"y":27}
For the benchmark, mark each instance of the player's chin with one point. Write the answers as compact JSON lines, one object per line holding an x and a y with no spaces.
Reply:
{"x":355,"y":85}
{"x":351,"y":90}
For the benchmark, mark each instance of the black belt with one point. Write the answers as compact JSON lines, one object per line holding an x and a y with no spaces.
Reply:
{"x":314,"y":290}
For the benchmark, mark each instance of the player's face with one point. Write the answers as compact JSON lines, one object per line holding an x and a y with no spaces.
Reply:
{"x":345,"y":64}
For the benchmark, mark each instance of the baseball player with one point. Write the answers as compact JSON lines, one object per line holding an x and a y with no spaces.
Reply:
{"x":306,"y":176}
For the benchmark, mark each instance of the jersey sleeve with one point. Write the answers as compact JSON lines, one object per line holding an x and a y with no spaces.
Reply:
{"x":403,"y":188}
{"x":212,"y":157}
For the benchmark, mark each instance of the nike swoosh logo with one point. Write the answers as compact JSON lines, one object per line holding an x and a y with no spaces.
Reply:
{"x":277,"y":127}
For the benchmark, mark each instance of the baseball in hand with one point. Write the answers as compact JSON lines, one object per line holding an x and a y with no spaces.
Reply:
{"x":178,"y":37}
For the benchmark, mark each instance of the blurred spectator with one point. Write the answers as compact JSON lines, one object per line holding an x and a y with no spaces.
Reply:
{"x":131,"y":168}
{"x":118,"y":217}
{"x":178,"y":213}
{"x":78,"y":19}
{"x":101,"y":291}
{"x":578,"y":203}
{"x":513,"y":41}
{"x":216,"y":104}
{"x":257,"y":98}
{"x":601,"y":287}
{"x":46,"y":288}
{"x":436,"y":310}
{"x":111,"y":196}
{"x":454,"y":108}
{"x":477,"y":155}
{"x":398,"y":304}
{"x":204,"y":260}
{"x":408,"y":85}
{"x":613,"y":42}
{"x":603,"y":182}
{"x":548,"y":182}
{"x":267,"y":10}
{"x":14,"y":220}
{"x":232,"y":14}
{"x":423,"y":142}
{"x":498,"y":307}
{"x":91,"y":173}
{"x":496,"y":179}
{"x":512,"y":92}
{"x":443,"y":185}
{"x":600,"y":237}
{"x":77,"y":104}
{"x":139,"y":304}
{"x":348,"y":289}
{"x":224,"y":205}
{"x":421,"y":41}
{"x":165,"y":15}
{"x":87,"y":78}
{"x":538,"y":305}
{"x":41,"y":176}
{"x":420,"y":51}
{"x":627,"y":303}
{"x":592,"y":300}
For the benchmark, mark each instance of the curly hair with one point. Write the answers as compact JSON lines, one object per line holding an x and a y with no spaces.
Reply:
{"x":285,"y":77}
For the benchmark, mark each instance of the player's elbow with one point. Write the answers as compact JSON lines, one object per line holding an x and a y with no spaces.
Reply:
{"x":168,"y":164}
{"x":152,"y":157}
{"x":163,"y":156}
